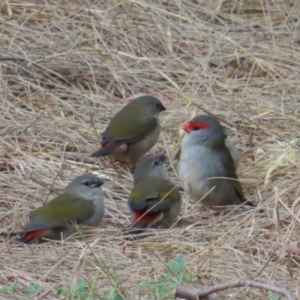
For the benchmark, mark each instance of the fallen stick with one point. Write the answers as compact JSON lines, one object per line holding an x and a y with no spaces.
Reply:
{"x":188,"y":292}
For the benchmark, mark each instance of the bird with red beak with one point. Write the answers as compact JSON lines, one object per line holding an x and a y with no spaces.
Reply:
{"x":206,"y":166}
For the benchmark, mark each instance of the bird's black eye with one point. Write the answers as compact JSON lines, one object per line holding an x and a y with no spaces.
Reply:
{"x":156,"y":163}
{"x":195,"y":128}
{"x":86,"y":183}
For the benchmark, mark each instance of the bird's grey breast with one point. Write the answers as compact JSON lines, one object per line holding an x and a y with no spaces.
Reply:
{"x":97,"y":198}
{"x":197,"y":164}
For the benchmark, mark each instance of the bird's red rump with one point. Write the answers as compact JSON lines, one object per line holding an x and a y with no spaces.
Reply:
{"x":192,"y":125}
{"x":110,"y":146}
{"x":34,"y":234}
{"x":141,"y":216}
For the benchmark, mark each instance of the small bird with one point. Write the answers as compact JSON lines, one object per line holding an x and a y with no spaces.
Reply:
{"x":154,"y":200}
{"x":206,"y":167}
{"x":81,"y":203}
{"x":231,"y":147}
{"x":133,"y":131}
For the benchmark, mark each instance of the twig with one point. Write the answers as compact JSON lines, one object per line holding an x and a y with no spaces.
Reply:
{"x":197,"y":293}
{"x":57,"y":174}
{"x":10,"y":234}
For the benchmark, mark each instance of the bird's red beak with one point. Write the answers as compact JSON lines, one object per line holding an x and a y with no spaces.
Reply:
{"x":186,"y":127}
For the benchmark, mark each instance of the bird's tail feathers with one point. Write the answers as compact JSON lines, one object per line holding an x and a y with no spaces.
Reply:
{"x":30,"y":237}
{"x":105,"y":150}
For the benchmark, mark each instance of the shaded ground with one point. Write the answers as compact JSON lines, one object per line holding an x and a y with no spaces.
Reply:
{"x":65,"y":71}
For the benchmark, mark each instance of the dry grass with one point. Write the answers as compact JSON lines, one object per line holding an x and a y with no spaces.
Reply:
{"x":65,"y":69}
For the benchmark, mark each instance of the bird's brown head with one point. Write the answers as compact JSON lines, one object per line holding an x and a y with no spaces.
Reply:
{"x":151,"y":104}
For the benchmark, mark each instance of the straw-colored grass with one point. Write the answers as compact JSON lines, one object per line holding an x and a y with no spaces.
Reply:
{"x":66,"y":68}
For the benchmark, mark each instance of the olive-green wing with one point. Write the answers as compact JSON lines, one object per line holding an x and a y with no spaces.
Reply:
{"x":228,"y":164}
{"x":126,"y":129}
{"x":153,"y":193}
{"x":62,"y":210}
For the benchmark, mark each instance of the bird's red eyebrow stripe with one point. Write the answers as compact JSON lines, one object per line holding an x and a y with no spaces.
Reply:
{"x":192,"y":124}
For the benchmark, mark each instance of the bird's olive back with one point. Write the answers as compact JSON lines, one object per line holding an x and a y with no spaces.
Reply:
{"x":133,"y":122}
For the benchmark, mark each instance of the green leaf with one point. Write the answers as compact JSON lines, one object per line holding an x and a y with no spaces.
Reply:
{"x":172,"y":286}
{"x":272,"y":297}
{"x":33,"y":288}
{"x":188,"y":279}
{"x":10,"y":287}
{"x":81,"y":289}
{"x":112,"y":295}
{"x":63,"y":290}
{"x":177,"y":266}
{"x":161,"y":290}
{"x":168,"y":277}
{"x":145,"y":283}
{"x":105,"y":296}
{"x":118,"y":297}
